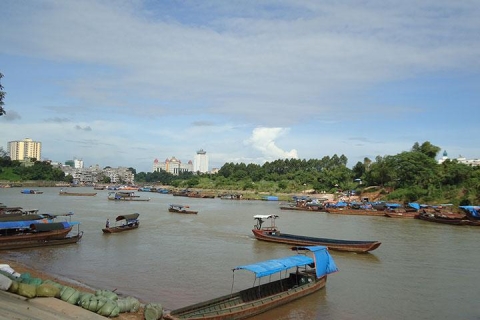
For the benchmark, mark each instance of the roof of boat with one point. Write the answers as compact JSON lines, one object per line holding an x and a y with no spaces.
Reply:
{"x":132,"y":216}
{"x":265,"y":268}
{"x":28,"y":223}
{"x":265,"y":216}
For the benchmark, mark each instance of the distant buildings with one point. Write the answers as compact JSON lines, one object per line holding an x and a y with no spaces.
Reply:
{"x":25,"y":150}
{"x":470,"y":162}
{"x":200,"y":163}
{"x":173,"y":165}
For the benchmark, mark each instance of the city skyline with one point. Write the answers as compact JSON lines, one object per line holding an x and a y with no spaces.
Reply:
{"x":249,"y":82}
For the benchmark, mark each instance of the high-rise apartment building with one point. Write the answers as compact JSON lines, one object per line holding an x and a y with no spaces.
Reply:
{"x":25,"y":149}
{"x":200,"y":162}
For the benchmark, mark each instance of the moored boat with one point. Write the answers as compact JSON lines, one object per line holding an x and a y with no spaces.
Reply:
{"x":273,"y":234}
{"x":125,"y":196}
{"x":178,"y":208}
{"x":31,"y":191}
{"x":309,"y":276}
{"x":86,"y":194}
{"x":123,"y":223}
{"x":36,"y":233}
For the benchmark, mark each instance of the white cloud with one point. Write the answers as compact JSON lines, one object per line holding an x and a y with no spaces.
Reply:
{"x":263,"y":139}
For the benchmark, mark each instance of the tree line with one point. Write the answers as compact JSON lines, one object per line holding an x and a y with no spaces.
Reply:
{"x":412,"y":175}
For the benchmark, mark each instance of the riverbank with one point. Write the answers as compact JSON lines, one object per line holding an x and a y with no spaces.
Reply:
{"x":17,"y":307}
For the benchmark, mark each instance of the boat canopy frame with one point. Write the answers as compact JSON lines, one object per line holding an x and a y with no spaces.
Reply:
{"x":128,"y":217}
{"x":260,"y":218}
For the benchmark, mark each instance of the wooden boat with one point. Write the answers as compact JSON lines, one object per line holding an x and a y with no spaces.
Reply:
{"x":41,"y":243}
{"x":445,"y":219}
{"x":306,"y":207}
{"x":178,"y":208}
{"x":273,"y":234}
{"x":36,"y":233}
{"x":394,"y":214}
{"x":357,"y":212}
{"x":125,"y":196}
{"x":127,"y":222}
{"x":196,"y":194}
{"x":260,"y":298}
{"x":86,"y":194}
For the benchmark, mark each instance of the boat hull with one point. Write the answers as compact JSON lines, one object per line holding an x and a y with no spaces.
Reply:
{"x":21,"y":244}
{"x":119,"y":229}
{"x":249,"y":302}
{"x":78,"y":194}
{"x":40,"y":236}
{"x":182,"y":211}
{"x":331,"y":244}
{"x":356,"y":212}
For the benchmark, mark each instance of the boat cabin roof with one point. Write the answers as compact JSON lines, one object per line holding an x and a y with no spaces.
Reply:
{"x":265,"y":216}
{"x":179,"y":206}
{"x":128,"y":217}
{"x":266,"y":268}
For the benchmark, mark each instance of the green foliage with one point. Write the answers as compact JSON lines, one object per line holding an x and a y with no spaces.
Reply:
{"x":2,"y":97}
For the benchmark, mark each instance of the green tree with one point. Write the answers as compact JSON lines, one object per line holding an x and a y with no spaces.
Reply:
{"x":2,"y":97}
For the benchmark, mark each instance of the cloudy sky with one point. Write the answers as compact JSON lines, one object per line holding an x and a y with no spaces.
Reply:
{"x":120,"y":83}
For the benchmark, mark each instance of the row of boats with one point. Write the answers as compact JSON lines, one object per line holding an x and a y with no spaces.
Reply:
{"x":444,"y":213}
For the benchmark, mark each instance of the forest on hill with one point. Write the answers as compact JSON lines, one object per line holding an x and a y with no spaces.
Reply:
{"x":412,"y":175}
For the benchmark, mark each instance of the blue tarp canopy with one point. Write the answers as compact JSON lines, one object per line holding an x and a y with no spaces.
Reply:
{"x":26,"y":224}
{"x":472,"y":210}
{"x":324,"y":263}
{"x":266,"y":268}
{"x":414,"y":205}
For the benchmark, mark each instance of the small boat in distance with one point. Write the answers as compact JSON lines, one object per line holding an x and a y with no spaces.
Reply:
{"x":125,"y":196}
{"x":273,"y":234}
{"x":178,"y":208}
{"x":86,"y":194}
{"x":309,"y":276}
{"x":123,"y":223}
{"x":31,"y":191}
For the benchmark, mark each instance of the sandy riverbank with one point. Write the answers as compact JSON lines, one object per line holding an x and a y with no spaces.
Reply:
{"x":17,"y":307}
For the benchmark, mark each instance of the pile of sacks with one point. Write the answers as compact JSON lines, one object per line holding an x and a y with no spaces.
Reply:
{"x":103,"y":302}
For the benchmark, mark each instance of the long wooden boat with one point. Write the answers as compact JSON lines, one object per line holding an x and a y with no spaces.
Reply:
{"x":317,"y":208}
{"x":84,"y":194}
{"x":438,"y":218}
{"x":36,"y":233}
{"x":260,"y":298}
{"x":125,"y":196}
{"x":21,"y":244}
{"x":32,"y":230}
{"x":273,"y":234}
{"x":178,"y":208}
{"x":126,"y":222}
{"x":357,"y":212}
{"x":394,"y":214}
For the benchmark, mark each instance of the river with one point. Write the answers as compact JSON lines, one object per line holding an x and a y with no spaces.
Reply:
{"x":422,"y":270}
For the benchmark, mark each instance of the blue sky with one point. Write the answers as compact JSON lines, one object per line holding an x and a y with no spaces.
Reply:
{"x":120,"y":83}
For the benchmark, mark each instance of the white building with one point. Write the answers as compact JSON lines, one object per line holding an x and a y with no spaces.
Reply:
{"x":200,"y":162}
{"x":78,"y":163}
{"x":173,"y":165}
{"x":25,"y":149}
{"x":460,"y":159}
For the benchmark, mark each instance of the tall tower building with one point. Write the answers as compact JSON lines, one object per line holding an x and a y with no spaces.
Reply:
{"x":25,"y":149}
{"x":200,"y":163}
